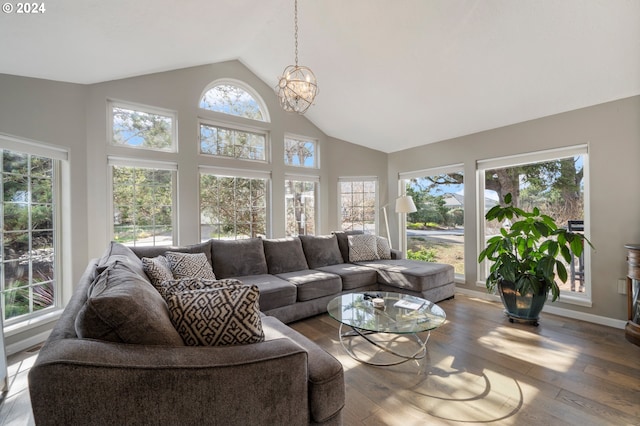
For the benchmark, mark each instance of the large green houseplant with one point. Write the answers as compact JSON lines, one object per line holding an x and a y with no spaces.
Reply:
{"x":525,"y":258}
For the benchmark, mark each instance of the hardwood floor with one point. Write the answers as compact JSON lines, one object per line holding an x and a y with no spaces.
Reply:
{"x":482,"y":369}
{"x":479,"y":369}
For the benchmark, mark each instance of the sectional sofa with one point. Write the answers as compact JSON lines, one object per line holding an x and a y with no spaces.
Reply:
{"x":115,"y":357}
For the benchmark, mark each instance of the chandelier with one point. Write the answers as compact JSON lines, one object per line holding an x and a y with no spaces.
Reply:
{"x":297,"y":87}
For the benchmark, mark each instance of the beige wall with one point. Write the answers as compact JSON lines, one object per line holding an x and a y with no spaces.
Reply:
{"x":612,"y":132}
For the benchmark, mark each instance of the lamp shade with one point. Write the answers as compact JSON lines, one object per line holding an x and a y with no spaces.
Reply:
{"x":405,"y":204}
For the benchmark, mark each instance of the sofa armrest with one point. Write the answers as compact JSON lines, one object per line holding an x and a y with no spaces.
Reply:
{"x":397,"y":254}
{"x":82,"y":381}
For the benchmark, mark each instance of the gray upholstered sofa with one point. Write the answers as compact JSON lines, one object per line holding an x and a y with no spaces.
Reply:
{"x":138,"y":371}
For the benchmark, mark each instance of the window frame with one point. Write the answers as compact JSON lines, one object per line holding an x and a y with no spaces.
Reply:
{"x":225,"y":172}
{"x":173,"y":115}
{"x":144,"y":164}
{"x":584,"y":299}
{"x":363,"y":179}
{"x":60,"y":158}
{"x":241,"y":85}
{"x":299,"y":138}
{"x":237,"y":128}
{"x":316,"y":192}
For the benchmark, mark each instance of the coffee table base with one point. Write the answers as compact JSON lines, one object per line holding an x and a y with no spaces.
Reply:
{"x":356,"y":332}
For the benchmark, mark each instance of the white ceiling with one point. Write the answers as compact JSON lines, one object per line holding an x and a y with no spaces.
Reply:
{"x":393,"y":74}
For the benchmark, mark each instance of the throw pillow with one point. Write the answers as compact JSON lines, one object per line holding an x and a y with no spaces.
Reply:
{"x":189,"y":265}
{"x":186,"y":284}
{"x":384,"y":249}
{"x":123,"y":307}
{"x":362,"y":248}
{"x":217,"y":316}
{"x":157,"y":269}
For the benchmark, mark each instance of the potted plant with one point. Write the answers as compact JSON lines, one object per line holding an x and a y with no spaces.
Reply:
{"x":526,"y":259}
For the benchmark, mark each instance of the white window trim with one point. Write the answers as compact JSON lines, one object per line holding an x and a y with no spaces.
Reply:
{"x":143,"y":164}
{"x":529,"y":158}
{"x":111,"y":103}
{"x":377,"y":202}
{"x":244,"y":86}
{"x":316,"y":153}
{"x":237,"y":127}
{"x":61,"y":234}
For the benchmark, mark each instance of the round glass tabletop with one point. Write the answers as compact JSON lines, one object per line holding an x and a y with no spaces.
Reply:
{"x":401,"y":313}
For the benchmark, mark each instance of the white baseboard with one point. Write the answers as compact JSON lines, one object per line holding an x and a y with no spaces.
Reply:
{"x":567,"y":313}
{"x":22,"y":345}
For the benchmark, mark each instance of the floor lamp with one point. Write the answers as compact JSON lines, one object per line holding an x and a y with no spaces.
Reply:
{"x":404,"y":204}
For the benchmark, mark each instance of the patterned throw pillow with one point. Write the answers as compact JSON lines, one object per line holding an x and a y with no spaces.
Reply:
{"x":362,"y":247}
{"x":157,"y":269}
{"x":383,"y":248}
{"x":217,"y":316}
{"x":189,"y":265}
{"x":186,"y":284}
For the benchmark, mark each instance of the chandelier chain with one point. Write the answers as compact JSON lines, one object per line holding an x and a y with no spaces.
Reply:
{"x":295,"y":20}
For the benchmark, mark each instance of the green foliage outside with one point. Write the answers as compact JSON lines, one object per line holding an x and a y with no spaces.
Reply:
{"x":425,"y":255}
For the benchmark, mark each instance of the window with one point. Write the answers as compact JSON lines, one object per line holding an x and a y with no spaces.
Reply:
{"x":300,"y":152}
{"x":358,"y":204}
{"x":300,"y":205}
{"x":30,"y":272}
{"x":142,"y":127}
{"x":234,"y":98}
{"x":435,"y":232}
{"x":143,"y":200}
{"x":233,"y":143}
{"x":555,"y":182}
{"x":232,"y":207}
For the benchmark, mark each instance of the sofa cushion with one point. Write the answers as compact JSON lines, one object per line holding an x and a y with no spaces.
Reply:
{"x":321,"y":250}
{"x":123,"y":307}
{"x":116,"y":251}
{"x":235,"y":258}
{"x":157,"y":269}
{"x":189,"y":265}
{"x":227,"y":315}
{"x":383,"y":248}
{"x":154,"y":251}
{"x":353,"y":276}
{"x":312,"y":284}
{"x":362,"y":247}
{"x":343,"y":242}
{"x":274,"y":292}
{"x":284,"y":255}
{"x":412,"y":275}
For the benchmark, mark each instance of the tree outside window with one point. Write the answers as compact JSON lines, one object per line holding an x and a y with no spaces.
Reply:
{"x":358,"y":200}
{"x":300,"y":199}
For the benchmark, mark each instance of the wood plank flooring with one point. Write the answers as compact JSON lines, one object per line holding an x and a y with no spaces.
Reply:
{"x":482,"y":369}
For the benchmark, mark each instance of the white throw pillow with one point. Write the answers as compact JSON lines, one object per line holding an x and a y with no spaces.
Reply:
{"x":362,"y":247}
{"x":384,"y":249}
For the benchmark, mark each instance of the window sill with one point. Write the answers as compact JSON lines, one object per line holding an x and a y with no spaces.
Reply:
{"x":28,"y":324}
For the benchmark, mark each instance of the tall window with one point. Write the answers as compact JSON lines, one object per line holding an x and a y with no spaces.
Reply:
{"x":555,"y":182}
{"x":143,"y":199}
{"x":232,"y":207}
{"x":29,"y":279}
{"x":234,"y":98}
{"x":300,"y":152}
{"x":300,"y":204}
{"x":136,"y":126}
{"x":234,"y":143}
{"x":358,"y":204}
{"x":435,"y":232}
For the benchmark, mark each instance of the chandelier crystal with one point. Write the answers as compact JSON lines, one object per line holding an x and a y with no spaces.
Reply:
{"x":297,"y":87}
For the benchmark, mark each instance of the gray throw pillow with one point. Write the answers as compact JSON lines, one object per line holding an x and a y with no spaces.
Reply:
{"x":284,"y":255}
{"x":217,"y":316}
{"x":384,"y":249}
{"x":321,"y":250}
{"x":122,"y":307}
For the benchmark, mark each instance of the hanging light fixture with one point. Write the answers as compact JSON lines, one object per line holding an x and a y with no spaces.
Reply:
{"x":297,"y":87}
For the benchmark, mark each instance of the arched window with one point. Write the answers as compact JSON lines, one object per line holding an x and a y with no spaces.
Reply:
{"x":234,"y":98}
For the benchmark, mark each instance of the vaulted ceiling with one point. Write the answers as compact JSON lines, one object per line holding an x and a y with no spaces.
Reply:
{"x":393,"y":74}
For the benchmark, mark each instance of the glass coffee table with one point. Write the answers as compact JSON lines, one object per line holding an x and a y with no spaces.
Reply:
{"x":398,"y":314}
